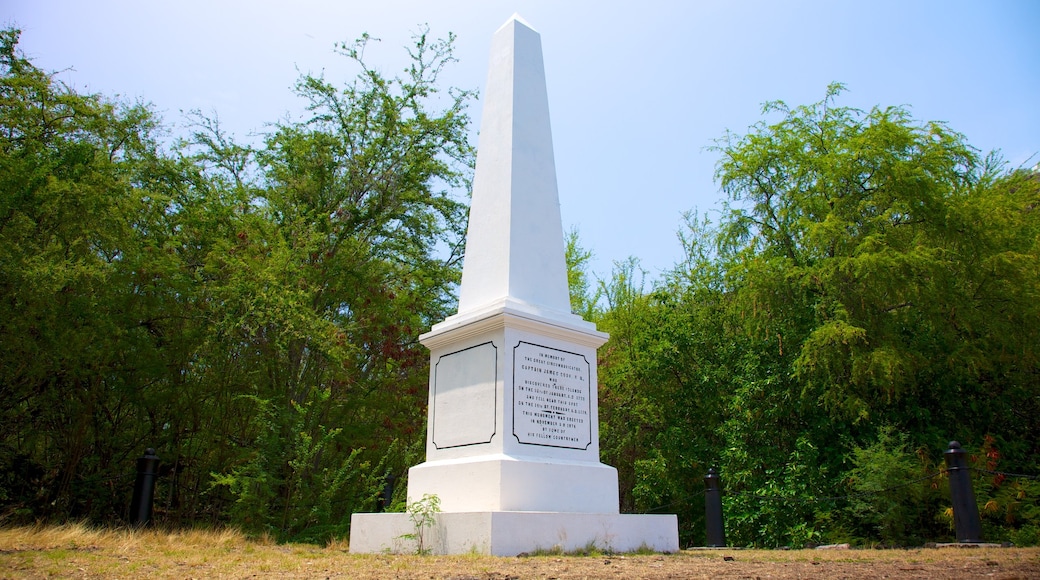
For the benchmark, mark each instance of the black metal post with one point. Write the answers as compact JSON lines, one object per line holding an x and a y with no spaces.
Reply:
{"x":144,"y":488}
{"x":388,"y":493}
{"x":965,"y":510}
{"x":713,"y":510}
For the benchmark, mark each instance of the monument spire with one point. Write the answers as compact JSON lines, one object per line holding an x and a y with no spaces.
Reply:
{"x":514,"y":247}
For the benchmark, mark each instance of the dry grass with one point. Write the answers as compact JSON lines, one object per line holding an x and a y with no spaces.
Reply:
{"x":78,"y":551}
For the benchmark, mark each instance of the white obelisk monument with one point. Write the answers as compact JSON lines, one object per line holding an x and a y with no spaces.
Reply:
{"x":512,"y":446}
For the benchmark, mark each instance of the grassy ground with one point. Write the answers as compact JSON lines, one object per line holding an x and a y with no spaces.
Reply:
{"x":77,"y":551}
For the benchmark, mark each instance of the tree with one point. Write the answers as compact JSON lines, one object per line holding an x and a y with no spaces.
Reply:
{"x":252,"y":313}
{"x":79,"y":175}
{"x":864,"y":247}
{"x":891,"y":270}
{"x":346,"y":248}
{"x":870,"y":273}
{"x":663,"y":375}
{"x":584,"y":302}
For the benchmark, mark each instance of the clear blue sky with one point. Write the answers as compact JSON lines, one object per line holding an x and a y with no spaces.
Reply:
{"x":637,"y":90}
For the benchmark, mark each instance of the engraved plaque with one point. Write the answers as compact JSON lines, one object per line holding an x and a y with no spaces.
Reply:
{"x":464,"y":401}
{"x":552,"y":403}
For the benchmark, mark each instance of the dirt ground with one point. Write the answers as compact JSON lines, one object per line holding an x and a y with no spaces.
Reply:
{"x":727,"y":564}
{"x":91,"y":554}
{"x":284,"y":562}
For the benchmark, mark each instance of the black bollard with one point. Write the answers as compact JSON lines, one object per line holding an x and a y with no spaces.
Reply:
{"x":965,"y":510}
{"x":713,"y":510}
{"x":144,"y":488}
{"x":388,"y":493}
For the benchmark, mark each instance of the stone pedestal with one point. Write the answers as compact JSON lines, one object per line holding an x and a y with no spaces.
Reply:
{"x":513,"y":416}
{"x":512,"y":447}
{"x":505,"y":533}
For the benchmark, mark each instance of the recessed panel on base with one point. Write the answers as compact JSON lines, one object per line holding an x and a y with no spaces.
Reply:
{"x":464,"y":397}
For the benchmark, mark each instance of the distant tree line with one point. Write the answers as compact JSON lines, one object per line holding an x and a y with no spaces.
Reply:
{"x":871,"y":292}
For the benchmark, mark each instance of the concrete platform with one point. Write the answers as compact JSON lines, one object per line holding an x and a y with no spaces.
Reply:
{"x":511,"y":533}
{"x":968,"y":545}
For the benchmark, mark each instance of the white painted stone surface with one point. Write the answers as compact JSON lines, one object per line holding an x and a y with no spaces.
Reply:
{"x":508,"y":334}
{"x":504,"y":533}
{"x":506,"y":473}
{"x":510,"y":483}
{"x":512,"y":448}
{"x":464,"y":400}
{"x":515,"y":208}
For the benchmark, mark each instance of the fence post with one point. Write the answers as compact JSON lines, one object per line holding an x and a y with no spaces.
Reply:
{"x":713,"y":523}
{"x":965,"y":510}
{"x":144,"y":488}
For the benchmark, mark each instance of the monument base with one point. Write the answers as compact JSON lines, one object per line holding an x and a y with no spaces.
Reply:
{"x":501,"y":483}
{"x":513,"y":533}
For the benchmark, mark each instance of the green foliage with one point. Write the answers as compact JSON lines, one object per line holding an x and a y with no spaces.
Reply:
{"x":893,"y":499}
{"x":1009,"y":506}
{"x":291,"y":455}
{"x":771,"y":504}
{"x":423,"y":515}
{"x":659,"y":427}
{"x":871,"y":275}
{"x":860,"y":227}
{"x":250,"y":312}
{"x":78,"y":176}
{"x":583,"y":299}
{"x":852,"y":267}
